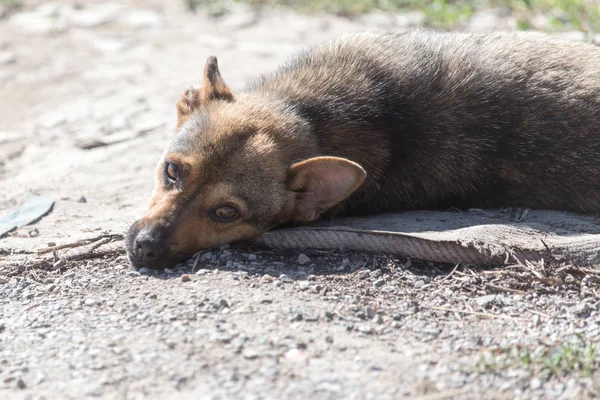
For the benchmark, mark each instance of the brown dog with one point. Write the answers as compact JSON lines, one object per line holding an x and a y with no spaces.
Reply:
{"x":376,"y":122}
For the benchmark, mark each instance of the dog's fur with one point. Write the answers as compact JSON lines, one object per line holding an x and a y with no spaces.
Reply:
{"x":375,"y":122}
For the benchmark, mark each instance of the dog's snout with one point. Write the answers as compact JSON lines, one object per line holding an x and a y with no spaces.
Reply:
{"x":148,"y":246}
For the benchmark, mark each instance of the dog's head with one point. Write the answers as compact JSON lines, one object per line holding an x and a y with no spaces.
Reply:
{"x":237,"y":167}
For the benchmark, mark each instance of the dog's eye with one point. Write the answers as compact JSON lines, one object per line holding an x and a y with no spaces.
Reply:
{"x":172,"y":171}
{"x":226,"y":213}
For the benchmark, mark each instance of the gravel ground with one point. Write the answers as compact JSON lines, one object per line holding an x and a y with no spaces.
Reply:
{"x":88,"y":95}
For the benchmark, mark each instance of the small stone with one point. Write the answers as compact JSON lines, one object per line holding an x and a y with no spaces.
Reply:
{"x":7,"y":57}
{"x":396,"y":324}
{"x":89,"y":302}
{"x":369,"y":313}
{"x":267,"y":278}
{"x":284,"y":278}
{"x":569,"y":279}
{"x":378,"y":319}
{"x":535,"y":384}
{"x":311,"y":318}
{"x":59,"y":264}
{"x":376,"y":274}
{"x":266,"y":300}
{"x":250,"y":354}
{"x":186,"y":278}
{"x":168,"y":271}
{"x":34,"y":232}
{"x":202,"y":272}
{"x":277,"y":283}
{"x":485,"y":301}
{"x":133,"y":273}
{"x":303,"y":259}
{"x":297,"y":317}
{"x":251,"y":257}
{"x":82,"y":199}
{"x":295,"y":355}
{"x":419,"y":284}
{"x":207,"y":256}
{"x":379,"y":282}
{"x":223,"y":303}
{"x":303,"y":285}
{"x":21,"y":384}
{"x":365,"y":329}
{"x":144,"y":271}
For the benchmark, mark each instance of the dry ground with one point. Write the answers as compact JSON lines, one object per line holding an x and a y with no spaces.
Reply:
{"x":87,"y":105}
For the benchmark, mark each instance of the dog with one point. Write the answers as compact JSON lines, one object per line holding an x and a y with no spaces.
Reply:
{"x":376,"y":122}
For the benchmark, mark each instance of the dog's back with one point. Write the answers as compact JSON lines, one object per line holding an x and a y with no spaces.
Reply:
{"x":453,"y":119}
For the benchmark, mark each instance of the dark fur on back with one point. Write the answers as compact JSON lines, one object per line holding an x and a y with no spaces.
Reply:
{"x":447,"y":119}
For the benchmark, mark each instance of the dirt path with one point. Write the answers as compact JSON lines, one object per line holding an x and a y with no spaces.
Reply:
{"x":252,"y":323}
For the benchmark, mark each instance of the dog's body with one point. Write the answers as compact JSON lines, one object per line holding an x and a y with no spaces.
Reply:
{"x":376,"y":122}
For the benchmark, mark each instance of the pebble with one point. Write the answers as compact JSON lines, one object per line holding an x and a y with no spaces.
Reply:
{"x":297,"y":317}
{"x":144,"y":271}
{"x":202,"y":272}
{"x":250,"y":354}
{"x":369,"y":313}
{"x":267,"y":279}
{"x":303,"y":285}
{"x":284,"y":278}
{"x":21,"y":384}
{"x":535,"y":384}
{"x":486,"y":300}
{"x":419,"y":284}
{"x":251,"y":257}
{"x":34,"y":232}
{"x":376,"y":274}
{"x":365,"y":329}
{"x":378,"y":319}
{"x":82,"y":199}
{"x":168,"y":271}
{"x":295,"y":355}
{"x":89,"y":302}
{"x":379,"y":282}
{"x":7,"y":57}
{"x":186,"y":278}
{"x":133,"y":273}
{"x":303,"y":259}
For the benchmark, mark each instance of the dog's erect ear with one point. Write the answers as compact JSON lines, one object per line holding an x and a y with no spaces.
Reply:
{"x":213,"y":88}
{"x":320,"y":183}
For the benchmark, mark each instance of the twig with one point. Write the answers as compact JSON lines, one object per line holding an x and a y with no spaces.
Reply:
{"x":450,"y":274}
{"x":78,"y":243}
{"x":196,"y":259}
{"x":504,"y":289}
{"x":441,"y":395}
{"x":470,"y":312}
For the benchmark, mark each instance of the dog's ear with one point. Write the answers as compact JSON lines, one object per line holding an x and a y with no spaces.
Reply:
{"x":213,"y":88}
{"x":320,"y":183}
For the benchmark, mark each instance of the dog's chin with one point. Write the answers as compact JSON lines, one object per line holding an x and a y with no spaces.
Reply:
{"x":166,"y":261}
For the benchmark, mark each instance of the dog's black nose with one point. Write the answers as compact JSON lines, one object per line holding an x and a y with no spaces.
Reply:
{"x":148,"y":246}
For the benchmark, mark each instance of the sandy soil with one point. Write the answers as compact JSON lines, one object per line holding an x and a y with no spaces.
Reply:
{"x":249,"y":323}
